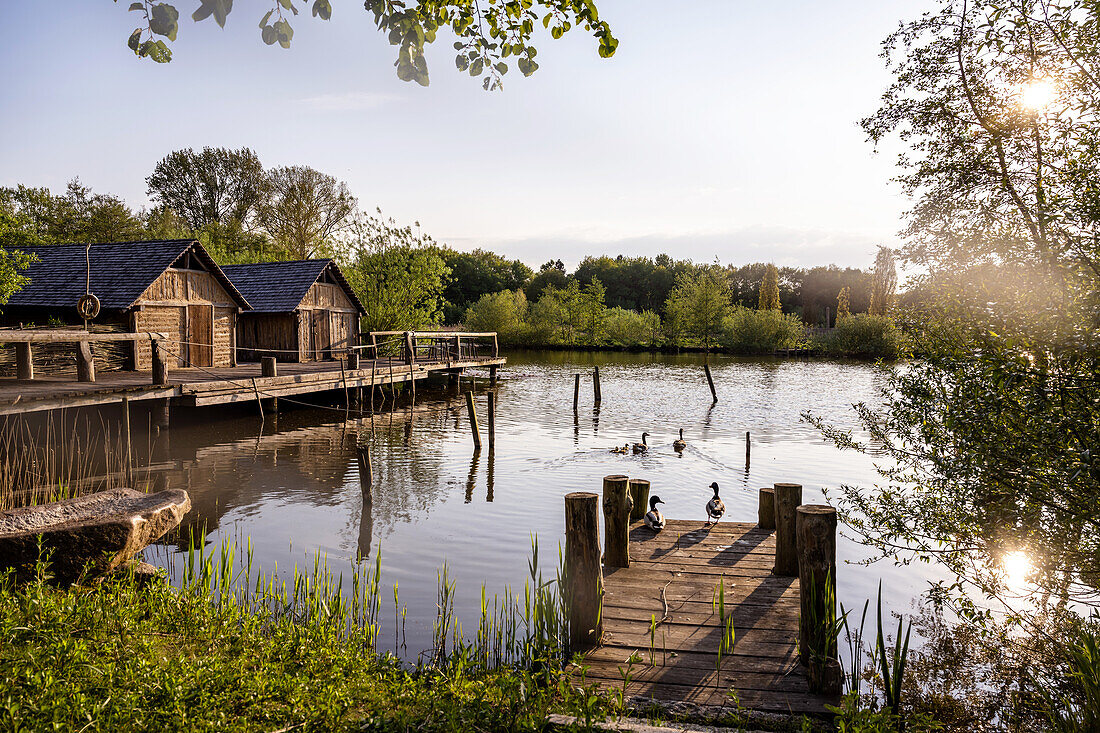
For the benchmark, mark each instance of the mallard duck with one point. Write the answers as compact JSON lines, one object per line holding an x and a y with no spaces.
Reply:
{"x":643,"y":446}
{"x":679,"y":444}
{"x":715,"y":507}
{"x":624,"y":448}
{"x":653,"y":518}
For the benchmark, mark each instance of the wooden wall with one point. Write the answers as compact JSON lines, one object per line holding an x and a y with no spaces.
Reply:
{"x":275,"y":331}
{"x":163,"y":308}
{"x":342,"y":318}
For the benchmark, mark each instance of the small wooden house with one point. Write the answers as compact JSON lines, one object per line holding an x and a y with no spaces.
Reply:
{"x":167,"y":286}
{"x":301,"y":310}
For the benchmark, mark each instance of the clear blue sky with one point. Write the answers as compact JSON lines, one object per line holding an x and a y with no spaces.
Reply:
{"x":720,"y":128}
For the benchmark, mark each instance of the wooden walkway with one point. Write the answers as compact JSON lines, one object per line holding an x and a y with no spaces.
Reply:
{"x":688,"y":562}
{"x":215,"y":385}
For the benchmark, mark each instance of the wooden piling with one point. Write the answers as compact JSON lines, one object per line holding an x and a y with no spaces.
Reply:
{"x":493,"y":372}
{"x":127,"y":442}
{"x":710,"y":381}
{"x":366,"y":471}
{"x":748,"y":447}
{"x":583,"y":573}
{"x":268,"y":367}
{"x":767,"y":508}
{"x":24,"y":360}
{"x":816,"y":540}
{"x":353,"y":360}
{"x":491,"y":398}
{"x":596,"y":385}
{"x":160,"y":366}
{"x":616,"y":521}
{"x":787,"y":499}
{"x":639,"y":495}
{"x":85,"y":362}
{"x":473,"y":419}
{"x":576,"y":391}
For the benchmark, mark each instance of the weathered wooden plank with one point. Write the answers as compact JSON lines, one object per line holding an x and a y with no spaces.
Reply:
{"x":49,"y":336}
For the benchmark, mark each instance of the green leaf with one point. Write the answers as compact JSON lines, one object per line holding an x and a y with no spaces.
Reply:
{"x":135,"y":39}
{"x":267,"y":17}
{"x":136,"y":6}
{"x":163,"y":20}
{"x":283,"y":32}
{"x":322,"y":8}
{"x":269,"y":35}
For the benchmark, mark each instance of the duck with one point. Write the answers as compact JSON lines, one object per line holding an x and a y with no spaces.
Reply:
{"x":680,"y":443}
{"x":653,"y":518}
{"x":643,"y":446}
{"x":715,"y":507}
{"x":624,"y":448}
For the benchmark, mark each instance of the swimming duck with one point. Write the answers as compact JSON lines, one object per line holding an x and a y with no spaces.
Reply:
{"x":643,"y":446}
{"x":715,"y":507}
{"x":680,"y":444}
{"x":624,"y":448}
{"x":653,"y":518}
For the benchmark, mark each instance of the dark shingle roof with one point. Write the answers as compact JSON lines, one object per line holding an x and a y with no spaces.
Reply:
{"x":278,"y":287}
{"x":121,"y":271}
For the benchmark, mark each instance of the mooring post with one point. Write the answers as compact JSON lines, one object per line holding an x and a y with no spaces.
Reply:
{"x":493,"y":376}
{"x":748,"y":448}
{"x":787,"y":499}
{"x":767,"y":508}
{"x":583,"y":573}
{"x":353,"y":360}
{"x":616,"y":521}
{"x":366,"y":471}
{"x":269,"y":368}
{"x":85,"y":362}
{"x":24,"y":361}
{"x":491,"y":397}
{"x":816,"y":533}
{"x":710,"y":380}
{"x":639,"y":495}
{"x":596,"y":385}
{"x":160,"y":366}
{"x":126,"y":439}
{"x":472,"y":410}
{"x":576,"y":391}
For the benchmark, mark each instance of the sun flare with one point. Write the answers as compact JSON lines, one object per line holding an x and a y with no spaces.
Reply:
{"x":1037,"y":94}
{"x":1017,"y":567}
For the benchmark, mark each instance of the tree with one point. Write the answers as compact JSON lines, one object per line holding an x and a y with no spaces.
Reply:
{"x":304,"y":209}
{"x":478,"y":273}
{"x":842,"y":303}
{"x":884,"y":283}
{"x":504,"y":312}
{"x":700,"y":303}
{"x":769,"y":290}
{"x":79,"y":215}
{"x":577,"y":314}
{"x":12,"y":261}
{"x":396,"y":272}
{"x":487,"y":33}
{"x":551,"y":274}
{"x":215,"y":186}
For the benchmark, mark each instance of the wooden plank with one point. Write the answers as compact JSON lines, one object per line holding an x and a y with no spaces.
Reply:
{"x":28,"y":336}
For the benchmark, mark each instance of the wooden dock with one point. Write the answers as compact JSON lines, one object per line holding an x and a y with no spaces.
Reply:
{"x":672,"y":581}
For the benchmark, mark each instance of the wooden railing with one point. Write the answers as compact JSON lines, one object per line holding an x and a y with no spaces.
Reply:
{"x":24,"y":340}
{"x":433,"y":346}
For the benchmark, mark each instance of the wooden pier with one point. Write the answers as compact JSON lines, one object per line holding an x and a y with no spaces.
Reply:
{"x":661,"y":625}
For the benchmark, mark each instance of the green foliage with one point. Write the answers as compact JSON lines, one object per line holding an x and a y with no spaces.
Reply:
{"x":475,"y":274}
{"x":769,"y":290}
{"x":396,"y":272}
{"x":487,"y":34}
{"x":550,"y":274}
{"x":624,"y":327}
{"x":575,"y":315}
{"x":11,"y":262}
{"x":214,"y":186}
{"x":634,"y":283}
{"x":303,"y":208}
{"x":884,"y":283}
{"x":504,"y":312}
{"x":700,"y":303}
{"x":843,"y":303}
{"x":865,"y":336}
{"x":76,"y":216}
{"x":748,"y":331}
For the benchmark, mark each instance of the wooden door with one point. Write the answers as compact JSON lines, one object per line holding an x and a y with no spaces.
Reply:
{"x":322,"y":335}
{"x":200,"y":335}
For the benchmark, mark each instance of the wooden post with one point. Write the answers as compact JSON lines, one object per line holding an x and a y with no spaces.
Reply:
{"x":787,"y":499}
{"x":374,"y":345}
{"x":135,"y":351}
{"x":160,"y":366}
{"x":161,"y":414}
{"x":85,"y":363}
{"x":616,"y":521}
{"x":596,"y":384}
{"x":639,"y":495}
{"x":268,"y":367}
{"x":816,"y":533}
{"x":410,"y":349}
{"x":583,"y":573}
{"x":126,"y":438}
{"x":366,"y":472}
{"x":576,"y":391}
{"x":493,"y":376}
{"x":24,"y":361}
{"x":259,"y":402}
{"x":473,"y":419}
{"x":492,"y":399}
{"x":748,"y":448}
{"x":710,"y":381}
{"x":496,"y":347}
{"x":353,"y":360}
{"x":766,"y":512}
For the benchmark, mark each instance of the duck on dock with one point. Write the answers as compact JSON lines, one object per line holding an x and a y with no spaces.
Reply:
{"x":643,"y":446}
{"x":624,"y":448}
{"x":679,"y":444}
{"x":653,"y":518}
{"x":715,"y":507}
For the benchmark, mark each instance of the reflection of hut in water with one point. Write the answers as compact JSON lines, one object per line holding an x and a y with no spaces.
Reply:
{"x":301,"y":310}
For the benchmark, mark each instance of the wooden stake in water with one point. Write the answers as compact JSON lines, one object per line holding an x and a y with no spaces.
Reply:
{"x":492,"y":399}
{"x":748,"y":448}
{"x":472,"y":410}
{"x":596,"y":384}
{"x":710,"y":381}
{"x":576,"y":391}
{"x":366,"y":472}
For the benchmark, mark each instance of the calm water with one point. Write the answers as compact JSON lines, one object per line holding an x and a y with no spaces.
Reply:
{"x":292,"y":485}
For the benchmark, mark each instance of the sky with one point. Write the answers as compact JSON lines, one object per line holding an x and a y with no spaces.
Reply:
{"x":719,"y":129}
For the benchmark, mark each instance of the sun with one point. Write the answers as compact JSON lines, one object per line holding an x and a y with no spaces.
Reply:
{"x":1037,"y":94}
{"x":1017,"y":567}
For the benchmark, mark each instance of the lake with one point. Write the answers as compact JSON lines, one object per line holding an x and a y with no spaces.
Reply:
{"x":292,"y":486}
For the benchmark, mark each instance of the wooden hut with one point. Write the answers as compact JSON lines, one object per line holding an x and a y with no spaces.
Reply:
{"x":301,"y":310}
{"x":167,"y":286}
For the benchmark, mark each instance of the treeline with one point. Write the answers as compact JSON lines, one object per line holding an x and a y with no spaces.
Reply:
{"x":243,"y":212}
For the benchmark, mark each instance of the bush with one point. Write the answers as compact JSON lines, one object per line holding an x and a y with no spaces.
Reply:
{"x":863,"y":335}
{"x":624,"y":327}
{"x":751,"y":331}
{"x":504,"y":312}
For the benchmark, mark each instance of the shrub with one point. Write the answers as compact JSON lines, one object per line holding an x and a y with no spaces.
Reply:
{"x":863,"y":335}
{"x":624,"y":327}
{"x":504,"y":312}
{"x":757,"y":331}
